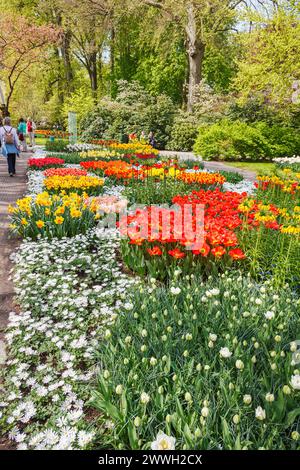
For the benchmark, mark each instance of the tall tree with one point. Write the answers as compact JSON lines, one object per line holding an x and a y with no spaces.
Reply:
{"x":22,"y":44}
{"x":90,"y":23}
{"x":201,"y":22}
{"x":269,"y":68}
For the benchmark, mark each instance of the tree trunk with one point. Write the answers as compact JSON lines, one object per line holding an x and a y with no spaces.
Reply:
{"x":93,"y":74}
{"x":3,"y":105}
{"x":4,"y":111}
{"x":112,"y":61}
{"x":65,"y":51}
{"x":195,"y":51}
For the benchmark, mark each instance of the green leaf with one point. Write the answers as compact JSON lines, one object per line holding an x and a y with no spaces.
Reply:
{"x":132,"y":435}
{"x":123,"y":405}
{"x":292,"y":415}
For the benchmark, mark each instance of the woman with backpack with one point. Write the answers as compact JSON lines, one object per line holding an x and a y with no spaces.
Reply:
{"x":10,"y":145}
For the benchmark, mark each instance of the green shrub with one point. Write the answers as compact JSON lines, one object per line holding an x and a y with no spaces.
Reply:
{"x":183,"y":134}
{"x":237,"y":140}
{"x":170,"y":375}
{"x":56,"y":145}
{"x":133,"y":110}
{"x":284,"y":141}
{"x":227,"y":140}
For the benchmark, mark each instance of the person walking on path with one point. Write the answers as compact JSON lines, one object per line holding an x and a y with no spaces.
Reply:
{"x":10,"y":145}
{"x":21,"y":130}
{"x":31,"y":127}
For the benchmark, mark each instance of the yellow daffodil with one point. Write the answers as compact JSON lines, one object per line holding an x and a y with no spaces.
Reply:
{"x":59,"y":220}
{"x":40,"y":223}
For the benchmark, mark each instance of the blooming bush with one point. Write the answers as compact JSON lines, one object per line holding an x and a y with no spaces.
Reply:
{"x":71,"y":183}
{"x":52,"y":216}
{"x":43,"y":163}
{"x":211,"y":365}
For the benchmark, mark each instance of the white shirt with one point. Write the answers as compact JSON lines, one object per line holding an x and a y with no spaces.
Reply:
{"x":9,"y":129}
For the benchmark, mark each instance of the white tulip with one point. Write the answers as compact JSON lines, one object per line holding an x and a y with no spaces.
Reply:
{"x":295,"y":381}
{"x":145,"y":398}
{"x":260,"y":413}
{"x":163,"y":442}
{"x":224,"y":352}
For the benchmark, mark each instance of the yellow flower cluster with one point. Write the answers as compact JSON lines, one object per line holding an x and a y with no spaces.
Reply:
{"x":247,"y":205}
{"x":287,"y":181}
{"x":45,"y":211}
{"x":291,"y":230}
{"x":135,"y":147}
{"x":23,"y":205}
{"x":264,"y":214}
{"x":171,"y":172}
{"x":109,"y":154}
{"x":291,"y":220}
{"x":88,"y":184}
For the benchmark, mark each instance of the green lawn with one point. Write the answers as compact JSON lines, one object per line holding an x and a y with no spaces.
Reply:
{"x":252,"y":166}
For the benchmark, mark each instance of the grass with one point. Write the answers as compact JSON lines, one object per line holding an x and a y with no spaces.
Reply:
{"x":253,"y":166}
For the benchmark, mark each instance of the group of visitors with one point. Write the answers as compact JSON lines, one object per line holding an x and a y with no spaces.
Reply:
{"x":12,"y":140}
{"x":143,"y":137}
{"x":24,"y":130}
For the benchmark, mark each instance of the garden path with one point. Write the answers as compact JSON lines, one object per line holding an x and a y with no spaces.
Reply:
{"x":215,"y":166}
{"x":11,"y":189}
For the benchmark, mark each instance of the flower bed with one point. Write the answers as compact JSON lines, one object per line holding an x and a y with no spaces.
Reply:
{"x":99,"y":154}
{"x":71,"y":183}
{"x":234,"y":228}
{"x":208,"y":364}
{"x":70,"y":292}
{"x":99,"y":357}
{"x":203,"y":178}
{"x":43,"y":163}
{"x":64,"y":172}
{"x":52,"y":216}
{"x":288,"y":162}
{"x":114,"y":168}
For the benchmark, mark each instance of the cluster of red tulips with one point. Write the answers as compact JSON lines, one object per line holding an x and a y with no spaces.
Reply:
{"x":64,"y":172}
{"x":43,"y":163}
{"x":221,"y":219}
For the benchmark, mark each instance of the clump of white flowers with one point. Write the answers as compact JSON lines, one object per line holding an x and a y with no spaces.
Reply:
{"x":53,"y":356}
